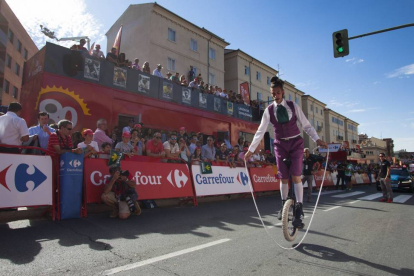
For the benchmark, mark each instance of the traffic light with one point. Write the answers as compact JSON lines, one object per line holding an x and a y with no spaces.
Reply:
{"x":340,"y":43}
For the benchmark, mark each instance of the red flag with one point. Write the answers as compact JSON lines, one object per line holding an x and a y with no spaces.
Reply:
{"x":91,"y":49}
{"x":244,"y":91}
{"x":117,"y":42}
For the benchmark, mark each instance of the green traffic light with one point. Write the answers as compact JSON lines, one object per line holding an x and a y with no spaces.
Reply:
{"x":340,"y":49}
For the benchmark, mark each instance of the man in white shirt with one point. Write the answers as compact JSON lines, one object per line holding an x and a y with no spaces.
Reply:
{"x":171,"y":148}
{"x":13,"y":129}
{"x":97,"y":52}
{"x":157,"y":71}
{"x":42,"y":131}
{"x":194,"y":84}
{"x":288,"y":143}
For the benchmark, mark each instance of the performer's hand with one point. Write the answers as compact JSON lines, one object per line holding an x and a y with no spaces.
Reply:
{"x":322,"y":144}
{"x":248,"y":155}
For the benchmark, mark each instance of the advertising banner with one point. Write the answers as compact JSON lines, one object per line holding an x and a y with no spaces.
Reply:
{"x":264,"y":179}
{"x":332,"y":148}
{"x":92,"y":69}
{"x":365,"y":178}
{"x":165,"y":180}
{"x":244,"y":91}
{"x":25,"y":180}
{"x":221,"y":182}
{"x":120,"y":77}
{"x":319,"y":176}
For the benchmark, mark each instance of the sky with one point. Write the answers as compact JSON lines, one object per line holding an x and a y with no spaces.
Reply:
{"x":373,"y":86}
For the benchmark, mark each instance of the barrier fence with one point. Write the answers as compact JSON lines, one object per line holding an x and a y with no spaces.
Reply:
{"x":33,"y":180}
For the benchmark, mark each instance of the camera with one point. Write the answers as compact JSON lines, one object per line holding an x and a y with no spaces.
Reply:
{"x":130,"y":197}
{"x":124,"y":173}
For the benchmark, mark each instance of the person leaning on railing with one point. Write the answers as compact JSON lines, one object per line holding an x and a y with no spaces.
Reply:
{"x":13,"y":129}
{"x":61,"y":141}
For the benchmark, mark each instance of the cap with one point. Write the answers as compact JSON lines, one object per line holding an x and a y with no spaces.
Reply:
{"x":126,"y":134}
{"x":87,"y":131}
{"x":182,"y":128}
{"x":223,"y":144}
{"x":137,"y":126}
{"x":159,"y":66}
{"x":267,"y":151}
{"x":169,"y":73}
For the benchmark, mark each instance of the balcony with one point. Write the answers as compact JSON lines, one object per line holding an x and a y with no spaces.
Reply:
{"x":319,"y":128}
{"x":340,"y":137}
{"x":3,"y":39}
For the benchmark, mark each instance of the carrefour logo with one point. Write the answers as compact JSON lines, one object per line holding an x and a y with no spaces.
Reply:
{"x":74,"y":163}
{"x":22,"y":178}
{"x":177,"y":178}
{"x":243,"y":178}
{"x":220,"y":179}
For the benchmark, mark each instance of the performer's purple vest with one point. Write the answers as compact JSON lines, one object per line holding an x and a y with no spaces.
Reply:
{"x":288,"y":129}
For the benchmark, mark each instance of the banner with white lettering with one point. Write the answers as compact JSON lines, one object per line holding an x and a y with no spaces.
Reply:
{"x":25,"y":180}
{"x":332,"y":148}
{"x":153,"y":180}
{"x":222,"y":181}
{"x":264,"y":179}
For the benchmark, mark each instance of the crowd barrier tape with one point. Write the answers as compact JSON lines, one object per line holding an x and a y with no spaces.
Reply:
{"x":26,"y":180}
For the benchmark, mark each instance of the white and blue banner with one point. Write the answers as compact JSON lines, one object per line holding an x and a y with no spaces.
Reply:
{"x":332,"y":148}
{"x":222,"y":181}
{"x":25,"y":180}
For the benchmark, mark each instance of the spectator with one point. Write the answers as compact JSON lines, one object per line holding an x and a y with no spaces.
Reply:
{"x":340,"y":168}
{"x":236,"y":159}
{"x":111,"y":56}
{"x":135,"y":65}
{"x":146,"y":68}
{"x":184,"y":151}
{"x":97,"y":52}
{"x":89,"y":146}
{"x":169,"y":75}
{"x":348,"y":175}
{"x":208,"y":151}
{"x":182,"y":134}
{"x":154,"y":147}
{"x":227,"y":141}
{"x":105,"y":151}
{"x":122,"y":61}
{"x":42,"y":131}
{"x":307,"y":171}
{"x":193,"y":145}
{"x":171,"y":147}
{"x":138,"y":127}
{"x":201,"y":86}
{"x":157,"y":71}
{"x":125,"y":146}
{"x":223,"y":94}
{"x":54,"y":126}
{"x":61,"y":142}
{"x":240,"y":143}
{"x":137,"y":142}
{"x":196,"y":156}
{"x":383,"y":177}
{"x":13,"y":129}
{"x":176,"y":78}
{"x":149,"y":134}
{"x":118,"y":190}
{"x":191,"y":73}
{"x":76,"y":139}
{"x":100,"y":136}
{"x":194,"y":84}
{"x":222,"y":155}
{"x":183,"y":81}
{"x":129,"y":64}
{"x":80,"y":47}
{"x":200,"y":137}
{"x":129,"y":127}
{"x":270,"y":158}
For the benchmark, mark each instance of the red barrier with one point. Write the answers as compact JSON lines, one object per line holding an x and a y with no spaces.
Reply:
{"x":319,"y":176}
{"x":264,"y":179}
{"x":154,"y":181}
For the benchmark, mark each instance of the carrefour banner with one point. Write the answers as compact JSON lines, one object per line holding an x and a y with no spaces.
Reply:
{"x":264,"y":179}
{"x":222,"y":181}
{"x":163,"y":180}
{"x":319,"y":176}
{"x":25,"y":180}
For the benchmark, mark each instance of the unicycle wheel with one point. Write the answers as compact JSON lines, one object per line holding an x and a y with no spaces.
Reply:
{"x":289,"y":231}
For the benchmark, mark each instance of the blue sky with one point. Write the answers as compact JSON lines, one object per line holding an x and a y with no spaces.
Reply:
{"x":373,"y":86}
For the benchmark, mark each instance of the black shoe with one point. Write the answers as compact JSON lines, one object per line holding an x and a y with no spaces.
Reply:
{"x":279,"y":214}
{"x":297,"y":223}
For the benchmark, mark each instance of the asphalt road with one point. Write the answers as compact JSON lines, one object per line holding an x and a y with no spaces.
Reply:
{"x":348,"y":236}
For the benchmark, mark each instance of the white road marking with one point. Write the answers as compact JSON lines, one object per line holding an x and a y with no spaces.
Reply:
{"x":19,"y":224}
{"x":332,"y":208}
{"x":328,"y":192}
{"x":371,"y":197}
{"x":163,"y":257}
{"x":348,"y":194}
{"x":354,"y":201}
{"x":402,"y":198}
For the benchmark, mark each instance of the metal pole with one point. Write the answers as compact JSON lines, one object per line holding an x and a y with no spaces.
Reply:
{"x":383,"y":31}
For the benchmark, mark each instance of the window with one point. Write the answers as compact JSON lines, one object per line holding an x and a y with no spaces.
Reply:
{"x":8,"y":61}
{"x":19,"y":46}
{"x":268,"y":80}
{"x":316,"y":109}
{"x":269,"y":100}
{"x":11,"y":36}
{"x":311,"y":107}
{"x":212,"y":53}
{"x":15,"y":92}
{"x":296,"y":99}
{"x":17,"y":69}
{"x":193,"y":45}
{"x":212,"y":79}
{"x":195,"y":71}
{"x":290,"y":97}
{"x":171,"y":64}
{"x":259,"y":97}
{"x":171,"y":35}
{"x":321,"y":112}
{"x":6,"y":86}
{"x":246,"y":70}
{"x":333,"y":119}
{"x":313,"y":122}
{"x":258,"y":76}
{"x":25,"y":53}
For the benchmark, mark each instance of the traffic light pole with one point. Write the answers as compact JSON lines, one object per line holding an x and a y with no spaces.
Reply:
{"x":383,"y":31}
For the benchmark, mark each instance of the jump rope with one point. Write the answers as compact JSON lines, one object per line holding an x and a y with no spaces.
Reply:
{"x":314,"y":209}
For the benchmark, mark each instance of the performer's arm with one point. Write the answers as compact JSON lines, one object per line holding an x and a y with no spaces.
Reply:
{"x":260,"y":131}
{"x":307,"y":127}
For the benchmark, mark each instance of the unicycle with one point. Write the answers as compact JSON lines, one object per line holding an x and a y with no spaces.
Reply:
{"x":289,"y":211}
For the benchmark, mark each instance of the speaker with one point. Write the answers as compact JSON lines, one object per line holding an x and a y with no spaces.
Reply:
{"x":73,"y":62}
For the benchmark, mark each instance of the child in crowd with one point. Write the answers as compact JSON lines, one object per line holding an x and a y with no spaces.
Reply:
{"x":105,"y":151}
{"x":90,"y":148}
{"x":196,"y":156}
{"x":125,"y":146}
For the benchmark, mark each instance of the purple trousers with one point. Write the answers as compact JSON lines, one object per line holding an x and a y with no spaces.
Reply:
{"x":292,"y":148}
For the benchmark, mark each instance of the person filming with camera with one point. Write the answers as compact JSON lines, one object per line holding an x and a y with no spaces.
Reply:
{"x":119,"y":193}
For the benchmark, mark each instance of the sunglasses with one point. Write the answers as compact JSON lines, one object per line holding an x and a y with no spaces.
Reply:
{"x":68,"y":128}
{"x":173,"y":138}
{"x":158,"y":137}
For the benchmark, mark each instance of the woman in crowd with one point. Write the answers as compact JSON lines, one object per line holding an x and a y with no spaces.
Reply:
{"x":146,"y":68}
{"x":183,"y":81}
{"x":90,"y":147}
{"x":137,"y":143}
{"x":196,"y":156}
{"x":122,"y":62}
{"x":124,"y":146}
{"x":76,"y":139}
{"x":184,"y":151}
{"x":236,"y":159}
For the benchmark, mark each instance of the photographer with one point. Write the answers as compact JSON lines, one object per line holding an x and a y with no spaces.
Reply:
{"x":120,"y":194}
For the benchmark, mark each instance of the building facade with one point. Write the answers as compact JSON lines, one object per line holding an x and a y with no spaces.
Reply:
{"x":390,"y":146}
{"x":154,"y":34}
{"x":351,"y":133}
{"x":314,"y":111}
{"x":372,"y":147}
{"x":16,"y":47}
{"x":334,"y":126}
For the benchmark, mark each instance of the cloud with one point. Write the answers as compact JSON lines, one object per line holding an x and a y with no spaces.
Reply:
{"x":402,"y":72}
{"x":376,"y":82}
{"x":357,"y":110}
{"x":67,"y":18}
{"x":354,"y":60}
{"x":349,"y":60}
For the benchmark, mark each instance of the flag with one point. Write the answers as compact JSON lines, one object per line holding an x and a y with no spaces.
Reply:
{"x":206,"y":168}
{"x":117,"y":42}
{"x":115,"y":158}
{"x":244,"y":91}
{"x":91,"y":49}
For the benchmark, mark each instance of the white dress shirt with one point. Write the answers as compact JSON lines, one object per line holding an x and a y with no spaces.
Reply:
{"x":157,"y":73}
{"x":301,"y":118}
{"x":12,"y":128}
